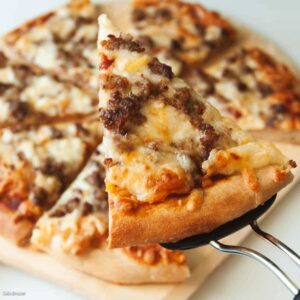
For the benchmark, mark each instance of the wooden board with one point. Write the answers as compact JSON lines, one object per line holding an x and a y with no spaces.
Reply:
{"x":202,"y":261}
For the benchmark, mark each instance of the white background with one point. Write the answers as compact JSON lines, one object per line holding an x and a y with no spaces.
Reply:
{"x":238,"y":278}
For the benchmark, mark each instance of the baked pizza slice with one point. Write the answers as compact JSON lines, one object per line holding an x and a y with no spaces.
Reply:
{"x":28,"y":97}
{"x":62,"y":42}
{"x":179,"y":32}
{"x":258,"y":93}
{"x":76,"y":228}
{"x":36,"y":165}
{"x":175,"y":167}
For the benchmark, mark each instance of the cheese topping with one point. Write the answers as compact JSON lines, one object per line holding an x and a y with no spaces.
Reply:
{"x":70,"y":228}
{"x":177,"y":134}
{"x":28,"y":97}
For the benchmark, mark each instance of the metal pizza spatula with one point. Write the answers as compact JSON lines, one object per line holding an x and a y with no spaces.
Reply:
{"x":225,"y":230}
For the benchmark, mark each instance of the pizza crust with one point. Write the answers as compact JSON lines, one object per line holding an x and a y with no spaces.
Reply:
{"x":169,"y":221}
{"x":117,"y":267}
{"x":18,"y":233}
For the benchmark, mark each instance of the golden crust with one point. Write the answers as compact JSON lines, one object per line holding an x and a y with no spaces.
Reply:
{"x":224,"y":201}
{"x":118,"y":267}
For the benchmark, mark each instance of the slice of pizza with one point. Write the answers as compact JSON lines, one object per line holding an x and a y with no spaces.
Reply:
{"x":76,"y":228}
{"x":36,"y":165}
{"x":62,"y":42}
{"x":175,"y":167}
{"x":260,"y":94}
{"x":27,"y":97}
{"x":179,"y":32}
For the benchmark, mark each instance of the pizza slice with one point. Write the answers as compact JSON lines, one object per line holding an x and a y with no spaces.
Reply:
{"x":179,"y":32}
{"x":62,"y":42}
{"x":175,"y":167}
{"x":36,"y":165}
{"x":76,"y":228}
{"x":27,"y":97}
{"x":260,"y":94}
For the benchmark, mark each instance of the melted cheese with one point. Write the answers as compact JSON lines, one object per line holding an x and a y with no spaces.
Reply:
{"x":66,"y":234}
{"x":168,"y":169}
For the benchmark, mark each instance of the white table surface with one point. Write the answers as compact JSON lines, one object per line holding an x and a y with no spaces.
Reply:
{"x":238,"y":278}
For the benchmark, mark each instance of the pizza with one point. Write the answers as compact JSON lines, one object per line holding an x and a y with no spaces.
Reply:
{"x":76,"y":228}
{"x":62,"y":42}
{"x":28,"y":97}
{"x":170,"y":157}
{"x":180,"y":33}
{"x":36,"y":165}
{"x":260,"y":94}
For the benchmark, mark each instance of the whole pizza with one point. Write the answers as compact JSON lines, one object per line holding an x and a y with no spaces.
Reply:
{"x":135,"y":136}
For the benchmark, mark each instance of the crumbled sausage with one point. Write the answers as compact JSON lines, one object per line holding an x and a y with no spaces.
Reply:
{"x":180,"y":99}
{"x":279,"y":108}
{"x":138,"y":15}
{"x":209,"y":138}
{"x":146,"y":41}
{"x":62,"y":210}
{"x":4,"y":87}
{"x":95,"y":179}
{"x":39,"y":196}
{"x":163,"y":13}
{"x":111,"y":82}
{"x":87,"y":208}
{"x":264,"y":89}
{"x":18,"y":109}
{"x":121,"y":109}
{"x":293,"y":164}
{"x":161,"y":69}
{"x":122,"y":42}
{"x":52,"y":168}
{"x":56,"y":133}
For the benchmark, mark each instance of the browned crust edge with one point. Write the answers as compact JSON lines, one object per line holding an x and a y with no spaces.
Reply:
{"x":168,"y":221}
{"x":117,"y":267}
{"x":17,"y":232}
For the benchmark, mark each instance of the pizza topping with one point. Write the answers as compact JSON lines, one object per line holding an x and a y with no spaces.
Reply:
{"x":40,"y":196}
{"x":122,"y":42}
{"x":61,"y":211}
{"x":63,"y":42}
{"x":53,"y":168}
{"x":256,"y":91}
{"x":19,"y":109}
{"x":180,"y":32}
{"x":161,"y":69}
{"x":154,"y":254}
{"x":192,"y":141}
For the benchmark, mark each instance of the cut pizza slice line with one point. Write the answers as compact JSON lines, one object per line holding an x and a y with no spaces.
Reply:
{"x":75,"y":231}
{"x":36,"y":165}
{"x":260,"y":94}
{"x":178,"y":32}
{"x":61,"y":42}
{"x":175,"y":167}
{"x":28,"y":97}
